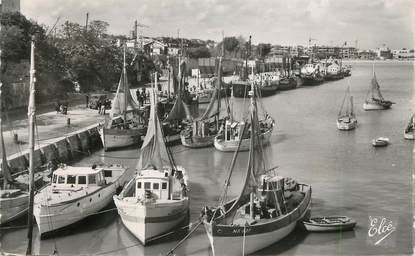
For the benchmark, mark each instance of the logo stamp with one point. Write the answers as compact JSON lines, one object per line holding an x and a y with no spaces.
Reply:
{"x":381,"y":231}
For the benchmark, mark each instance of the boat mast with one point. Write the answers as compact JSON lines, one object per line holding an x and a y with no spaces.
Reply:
{"x":253,"y":131}
{"x":31,"y":116}
{"x":124,"y":73}
{"x":219,"y":90}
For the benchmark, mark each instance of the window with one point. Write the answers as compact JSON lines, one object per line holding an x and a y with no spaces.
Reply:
{"x":164,"y":185}
{"x":81,"y":179}
{"x":107,"y":173}
{"x":156,"y":186}
{"x":61,"y":179}
{"x":147,"y":185}
{"x":139,"y":185}
{"x":54,"y":178}
{"x":92,"y":179}
{"x":71,"y":179}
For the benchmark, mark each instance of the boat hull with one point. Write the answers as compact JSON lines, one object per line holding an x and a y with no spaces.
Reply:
{"x":117,"y":138}
{"x":241,"y":89}
{"x":232,"y":146}
{"x":13,"y":208}
{"x":309,"y":81}
{"x":346,"y":126}
{"x":409,"y":135}
{"x":148,"y":221}
{"x":240,"y":240}
{"x":329,"y":228}
{"x":197,"y":141}
{"x":287,"y":84}
{"x":269,"y":90}
{"x":50,"y":218}
{"x":375,"y":106}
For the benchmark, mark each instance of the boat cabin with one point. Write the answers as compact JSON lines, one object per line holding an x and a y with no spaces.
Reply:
{"x":234,"y":130}
{"x":67,"y":177}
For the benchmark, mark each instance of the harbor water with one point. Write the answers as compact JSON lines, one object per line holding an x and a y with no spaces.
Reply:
{"x":348,"y":176}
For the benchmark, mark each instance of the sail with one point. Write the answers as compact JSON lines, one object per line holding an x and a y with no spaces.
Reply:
{"x":153,"y":151}
{"x":346,"y":108}
{"x":4,"y":166}
{"x":411,"y":125}
{"x":212,"y":109}
{"x":180,"y":111}
{"x":123,"y":101}
{"x":376,"y":94}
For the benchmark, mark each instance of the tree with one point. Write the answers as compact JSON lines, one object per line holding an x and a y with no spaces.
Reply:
{"x":263,"y":50}
{"x":199,"y":52}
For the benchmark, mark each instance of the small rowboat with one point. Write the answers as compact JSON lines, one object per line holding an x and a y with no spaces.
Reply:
{"x":380,"y":142}
{"x":329,"y":223}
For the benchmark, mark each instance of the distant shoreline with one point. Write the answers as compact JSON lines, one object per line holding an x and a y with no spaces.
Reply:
{"x":370,"y":61}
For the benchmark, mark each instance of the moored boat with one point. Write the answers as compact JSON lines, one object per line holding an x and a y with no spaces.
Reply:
{"x":311,"y":74}
{"x":127,"y":120}
{"x":334,"y":70}
{"x":409,"y":133}
{"x":374,"y":99}
{"x":329,"y":224}
{"x":346,"y":119}
{"x":260,"y":215}
{"x":155,"y":201}
{"x":75,"y":193}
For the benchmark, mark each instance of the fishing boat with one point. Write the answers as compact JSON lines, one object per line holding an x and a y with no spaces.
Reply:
{"x":261,"y":214}
{"x":268,"y":83}
{"x":311,"y":74}
{"x":13,"y":200}
{"x":334,"y":70}
{"x":374,"y":99}
{"x":287,"y":80}
{"x":380,"y":142}
{"x":155,"y":201}
{"x":127,"y":120}
{"x":347,"y":70}
{"x":202,"y":131}
{"x":180,"y":114}
{"x":234,"y":135}
{"x":409,"y":133}
{"x":346,"y":119}
{"x":75,"y":193}
{"x":329,"y":224}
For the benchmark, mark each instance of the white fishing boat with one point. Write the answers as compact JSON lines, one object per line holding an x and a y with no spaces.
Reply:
{"x":334,"y":70}
{"x":155,"y":201}
{"x":13,"y":200}
{"x":374,"y":99}
{"x":312,"y":74}
{"x":346,"y":119}
{"x":75,"y":193}
{"x":126,"y":122}
{"x":409,"y":133}
{"x":261,"y":214}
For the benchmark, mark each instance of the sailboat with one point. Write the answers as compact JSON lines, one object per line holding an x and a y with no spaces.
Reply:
{"x":266,"y":209}
{"x":155,"y":201}
{"x":13,"y":200}
{"x":374,"y":99}
{"x":180,"y":113}
{"x":234,"y":135}
{"x":346,"y":119}
{"x":127,"y":123}
{"x":203,"y":130}
{"x":410,"y":129}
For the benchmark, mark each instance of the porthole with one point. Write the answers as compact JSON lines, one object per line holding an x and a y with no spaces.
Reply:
{"x":78,"y":204}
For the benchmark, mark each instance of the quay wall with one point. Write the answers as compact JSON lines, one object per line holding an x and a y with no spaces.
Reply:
{"x":65,"y":149}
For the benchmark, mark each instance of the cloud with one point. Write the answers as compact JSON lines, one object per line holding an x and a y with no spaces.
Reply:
{"x":372,"y":22}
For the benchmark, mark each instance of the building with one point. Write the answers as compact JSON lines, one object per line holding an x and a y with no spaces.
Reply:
{"x":384,"y":53}
{"x":367,"y":55}
{"x":348,"y":53}
{"x":403,"y":53}
{"x":9,"y":6}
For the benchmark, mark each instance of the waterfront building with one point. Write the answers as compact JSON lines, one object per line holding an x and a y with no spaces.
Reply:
{"x":9,"y":6}
{"x":367,"y":55}
{"x":348,"y":53}
{"x":384,"y":52}
{"x":403,"y":53}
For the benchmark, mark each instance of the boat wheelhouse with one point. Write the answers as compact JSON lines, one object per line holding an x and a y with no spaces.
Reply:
{"x":75,"y":193}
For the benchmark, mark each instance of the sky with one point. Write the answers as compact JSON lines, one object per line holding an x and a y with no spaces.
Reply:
{"x":369,"y":23}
